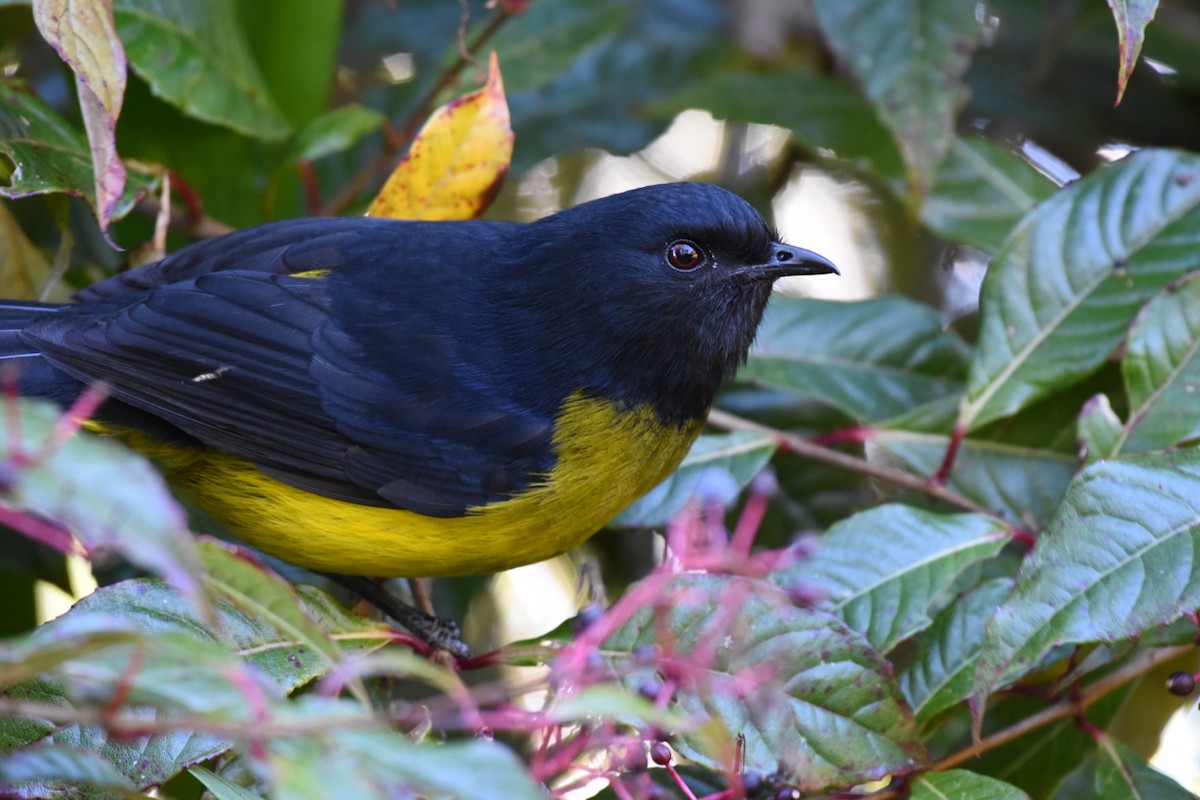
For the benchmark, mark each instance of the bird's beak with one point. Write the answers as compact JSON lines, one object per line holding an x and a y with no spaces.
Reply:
{"x":787,"y":260}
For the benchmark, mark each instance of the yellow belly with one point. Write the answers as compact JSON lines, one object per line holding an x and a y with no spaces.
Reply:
{"x":607,"y":457}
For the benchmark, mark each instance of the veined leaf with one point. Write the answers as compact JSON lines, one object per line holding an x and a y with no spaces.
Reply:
{"x":1132,"y":17}
{"x":961,"y":784}
{"x":1067,"y":284}
{"x":810,"y":696}
{"x":1162,"y":371}
{"x":916,"y":556}
{"x":943,"y":670}
{"x":872,"y":359}
{"x":1119,"y":559}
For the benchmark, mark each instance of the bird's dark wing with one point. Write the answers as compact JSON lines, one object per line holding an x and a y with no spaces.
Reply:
{"x":254,"y":365}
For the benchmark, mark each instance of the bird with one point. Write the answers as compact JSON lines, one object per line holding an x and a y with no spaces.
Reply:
{"x":378,"y":397}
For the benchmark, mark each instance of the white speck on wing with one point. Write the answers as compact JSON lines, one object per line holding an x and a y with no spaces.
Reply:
{"x":211,"y":376}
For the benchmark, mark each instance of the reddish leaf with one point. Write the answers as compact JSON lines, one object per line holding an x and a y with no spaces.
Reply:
{"x":1132,"y":17}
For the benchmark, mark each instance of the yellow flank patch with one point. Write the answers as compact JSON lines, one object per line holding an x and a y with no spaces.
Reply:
{"x":312,"y":273}
{"x":608,"y":456}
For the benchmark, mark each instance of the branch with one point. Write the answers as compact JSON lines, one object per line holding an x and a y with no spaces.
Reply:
{"x":1070,"y":707}
{"x":794,"y":444}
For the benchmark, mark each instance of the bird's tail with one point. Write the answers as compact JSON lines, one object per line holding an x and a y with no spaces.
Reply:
{"x":22,"y":363}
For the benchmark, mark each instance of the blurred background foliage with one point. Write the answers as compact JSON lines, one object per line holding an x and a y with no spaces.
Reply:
{"x":908,"y":167}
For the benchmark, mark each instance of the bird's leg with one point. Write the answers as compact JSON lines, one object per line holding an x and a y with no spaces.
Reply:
{"x":441,"y":633}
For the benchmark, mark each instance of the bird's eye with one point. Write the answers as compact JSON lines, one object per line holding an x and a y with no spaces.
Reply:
{"x":684,"y":255}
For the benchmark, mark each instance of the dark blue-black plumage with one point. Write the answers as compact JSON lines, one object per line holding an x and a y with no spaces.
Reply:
{"x":417,"y":364}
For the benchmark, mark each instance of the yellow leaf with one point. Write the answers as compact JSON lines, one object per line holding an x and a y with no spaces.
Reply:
{"x":457,"y":162}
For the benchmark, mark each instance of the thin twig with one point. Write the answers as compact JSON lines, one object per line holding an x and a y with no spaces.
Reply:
{"x":1068,"y":707}
{"x":802,"y":447}
{"x":384,"y":161}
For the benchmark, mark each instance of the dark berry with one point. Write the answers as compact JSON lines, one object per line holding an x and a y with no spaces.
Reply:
{"x":753,"y":783}
{"x":1181,"y":683}
{"x":588,"y":616}
{"x":650,"y":688}
{"x":787,"y":793}
{"x":646,"y":654}
{"x":660,"y":753}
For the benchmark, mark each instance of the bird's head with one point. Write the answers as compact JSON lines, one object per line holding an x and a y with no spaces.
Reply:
{"x":672,"y":281}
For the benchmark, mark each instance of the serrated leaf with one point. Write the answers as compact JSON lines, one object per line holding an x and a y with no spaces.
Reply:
{"x":51,"y":764}
{"x":1122,"y":774}
{"x":916,"y":556}
{"x":909,"y":57}
{"x":195,"y":56}
{"x":810,"y":696}
{"x":1100,"y":429}
{"x":107,"y":496}
{"x":960,"y":784}
{"x":335,"y":131}
{"x":942,"y":672}
{"x":222,"y":788}
{"x":83,"y":35}
{"x":1023,"y":484}
{"x":1068,"y":282}
{"x":741,"y":455}
{"x":980,"y":192}
{"x":1118,"y":559}
{"x":1132,"y":17}
{"x":1162,"y":371}
{"x":873,"y":359}
{"x":48,"y":155}
{"x":457,"y":162}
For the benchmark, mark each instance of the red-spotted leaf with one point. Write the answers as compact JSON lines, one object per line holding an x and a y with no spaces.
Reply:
{"x":1119,"y":559}
{"x":457,"y":162}
{"x":811,"y":697}
{"x":1062,"y":292}
{"x":1132,"y":17}
{"x":83,"y":34}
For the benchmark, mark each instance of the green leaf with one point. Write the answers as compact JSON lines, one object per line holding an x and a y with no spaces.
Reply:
{"x":909,"y":56}
{"x":741,"y":455}
{"x":811,"y":697}
{"x":1100,"y":429}
{"x":872,"y":359}
{"x":336,"y":131}
{"x":1118,"y":560}
{"x":53,"y":764}
{"x":959,"y":784}
{"x":1162,"y":371}
{"x":1023,"y":484}
{"x":354,"y":756}
{"x":1122,"y":774}
{"x":195,"y":56}
{"x":265,"y":597}
{"x":1132,"y":17}
{"x":109,"y":497}
{"x":941,"y":674}
{"x":916,"y":556}
{"x":222,"y":788}
{"x":980,"y":192}
{"x":290,"y":661}
{"x":605,"y":701}
{"x":1065,"y":287}
{"x":47,"y":155}
{"x":822,"y":111}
